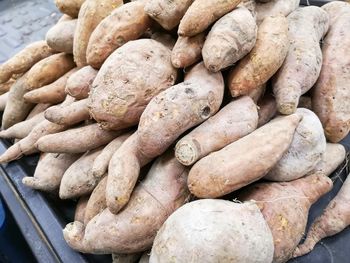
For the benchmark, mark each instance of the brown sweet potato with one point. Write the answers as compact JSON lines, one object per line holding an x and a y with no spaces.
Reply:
{"x":69,"y":7}
{"x":267,"y":109}
{"x":101,"y":162}
{"x":24,"y":60}
{"x":69,"y":115}
{"x":3,"y":101}
{"x":214,"y":231}
{"x":265,"y":58}
{"x":92,"y":12}
{"x":187,"y":50}
{"x":179,"y":108}
{"x":257,"y":93}
{"x":285,"y":207}
{"x":255,"y":154}
{"x":79,"y":83}
{"x":17,"y":108}
{"x":64,"y":18}
{"x":60,"y":37}
{"x":167,"y":13}
{"x":330,"y":97}
{"x":76,"y":140}
{"x":123,"y":172}
{"x":165,"y":39}
{"x":223,"y":128}
{"x":5,"y":87}
{"x":80,"y":209}
{"x":52,"y":93}
{"x":126,"y":23}
{"x":41,"y":107}
{"x":125,"y":84}
{"x":302,"y":65}
{"x":48,"y":70}
{"x":78,"y":180}
{"x":97,"y":201}
{"x":275,"y":8}
{"x":201,"y":14}
{"x":231,"y":38}
{"x":49,"y":171}
{"x":135,"y":227}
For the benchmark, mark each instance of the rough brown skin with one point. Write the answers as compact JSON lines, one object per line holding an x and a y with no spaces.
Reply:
{"x":97,"y":201}
{"x":79,"y":83}
{"x":101,"y":162}
{"x":5,"y":87}
{"x":334,"y":219}
{"x":69,"y":7}
{"x":201,"y":14}
{"x":17,"y":108}
{"x":60,"y":37}
{"x":23,"y":128}
{"x":78,"y":179}
{"x":48,"y":70}
{"x":264,"y":59}
{"x":37,"y":110}
{"x":49,"y":171}
{"x":285,"y":207}
{"x":3,"y":101}
{"x":24,"y":60}
{"x":214,"y":231}
{"x":257,"y":93}
{"x":135,"y":227}
{"x":165,"y":39}
{"x":231,"y":38}
{"x":267,"y":109}
{"x":126,"y":23}
{"x":125,"y":84}
{"x":92,"y":12}
{"x":69,"y":115}
{"x":255,"y":154}
{"x":52,"y":93}
{"x":76,"y":140}
{"x":234,"y":121}
{"x":179,"y":108}
{"x":275,"y":8}
{"x":126,"y":258}
{"x":302,"y":65}
{"x":167,"y":13}
{"x":123,"y":172}
{"x":330,"y":96}
{"x":80,"y":209}
{"x":187,"y":50}
{"x":305,"y":102}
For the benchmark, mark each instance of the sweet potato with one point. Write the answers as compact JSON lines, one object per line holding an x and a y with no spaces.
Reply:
{"x":305,"y":151}
{"x":126,"y":23}
{"x":126,"y":258}
{"x":257,"y":93}
{"x":3,"y":101}
{"x":60,"y":37}
{"x":69,"y":115}
{"x":49,"y":171}
{"x":334,"y":219}
{"x":76,"y":140}
{"x":267,"y":109}
{"x":167,"y":13}
{"x":80,"y":209}
{"x":285,"y":207}
{"x":135,"y":227}
{"x":5,"y":87}
{"x":78,"y":179}
{"x":145,"y":257}
{"x":231,"y":38}
{"x":123,"y":172}
{"x":275,"y":8}
{"x":22,"y":129}
{"x":17,"y":108}
{"x":187,"y":50}
{"x":101,"y":162}
{"x":64,"y":18}
{"x":97,"y":201}
{"x":250,"y":5}
{"x":302,"y":65}
{"x":92,"y":12}
{"x":218,"y":131}
{"x":69,"y":7}
{"x":125,"y":84}
{"x":214,"y":231}
{"x":41,"y":107}
{"x":201,"y":14}
{"x":48,"y":70}
{"x":165,"y":39}
{"x":255,"y":154}
{"x":330,"y":97}
{"x":179,"y":108}
{"x":52,"y":93}
{"x":265,"y":58}
{"x":24,"y":60}
{"x":79,"y":83}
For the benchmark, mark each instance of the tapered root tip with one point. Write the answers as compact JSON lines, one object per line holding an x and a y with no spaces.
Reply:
{"x":186,"y":153}
{"x":287,"y":108}
{"x":116,"y":203}
{"x":12,"y":153}
{"x":304,"y":248}
{"x":4,"y":134}
{"x":31,"y":182}
{"x":73,"y":233}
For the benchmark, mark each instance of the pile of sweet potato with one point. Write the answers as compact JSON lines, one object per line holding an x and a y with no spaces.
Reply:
{"x":139,"y":109}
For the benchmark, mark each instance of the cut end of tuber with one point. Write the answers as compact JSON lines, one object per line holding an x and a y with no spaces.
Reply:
{"x":186,"y":153}
{"x":287,"y":108}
